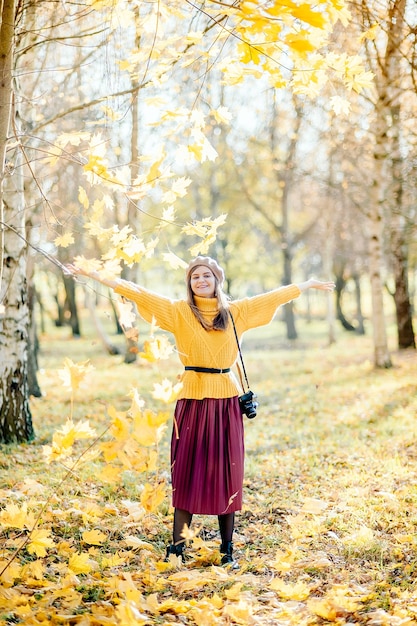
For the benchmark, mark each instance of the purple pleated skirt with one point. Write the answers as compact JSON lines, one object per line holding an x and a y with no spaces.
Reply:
{"x":207,"y":456}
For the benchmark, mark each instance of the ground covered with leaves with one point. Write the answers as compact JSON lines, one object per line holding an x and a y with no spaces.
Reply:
{"x":327,"y":534}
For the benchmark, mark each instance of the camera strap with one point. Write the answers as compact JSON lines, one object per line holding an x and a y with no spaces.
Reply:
{"x":241,"y":356}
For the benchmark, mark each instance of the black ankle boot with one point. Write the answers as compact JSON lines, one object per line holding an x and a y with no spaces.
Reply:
{"x":226,"y":549}
{"x":177,"y":549}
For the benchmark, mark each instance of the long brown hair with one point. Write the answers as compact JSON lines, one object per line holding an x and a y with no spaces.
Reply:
{"x":221,"y":320}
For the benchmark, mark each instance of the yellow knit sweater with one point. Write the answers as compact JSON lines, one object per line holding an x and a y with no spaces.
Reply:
{"x":199,"y":347}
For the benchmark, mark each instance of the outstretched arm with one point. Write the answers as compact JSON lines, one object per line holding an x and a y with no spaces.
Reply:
{"x":312,"y":283}
{"x":109,"y":282}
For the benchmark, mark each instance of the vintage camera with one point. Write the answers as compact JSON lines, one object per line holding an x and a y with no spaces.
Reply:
{"x":247,"y":404}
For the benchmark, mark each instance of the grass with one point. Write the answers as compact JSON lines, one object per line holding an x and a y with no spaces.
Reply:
{"x":330,"y":499}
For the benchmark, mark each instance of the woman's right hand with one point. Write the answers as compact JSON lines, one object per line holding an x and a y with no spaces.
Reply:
{"x":75,"y":270}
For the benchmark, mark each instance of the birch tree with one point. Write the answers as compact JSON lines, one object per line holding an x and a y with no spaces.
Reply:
{"x":15,"y":416}
{"x":387,"y":39}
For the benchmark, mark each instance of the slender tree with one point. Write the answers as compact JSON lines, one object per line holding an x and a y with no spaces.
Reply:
{"x":15,"y":415}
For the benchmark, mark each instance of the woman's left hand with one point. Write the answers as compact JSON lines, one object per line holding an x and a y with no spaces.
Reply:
{"x":312,"y":283}
{"x":326,"y":285}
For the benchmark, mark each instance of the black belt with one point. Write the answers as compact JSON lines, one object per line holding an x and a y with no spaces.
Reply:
{"x":207,"y":370}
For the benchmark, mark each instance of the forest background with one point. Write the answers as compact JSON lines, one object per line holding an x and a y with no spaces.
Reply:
{"x":279,"y":138}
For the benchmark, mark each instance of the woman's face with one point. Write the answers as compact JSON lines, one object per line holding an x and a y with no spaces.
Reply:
{"x":203,"y":282}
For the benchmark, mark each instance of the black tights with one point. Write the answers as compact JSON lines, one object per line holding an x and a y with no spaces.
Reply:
{"x":183,"y":518}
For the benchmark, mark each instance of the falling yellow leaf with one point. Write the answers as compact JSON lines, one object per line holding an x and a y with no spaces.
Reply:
{"x":222,"y":115}
{"x":371,"y":33}
{"x":179,"y":186}
{"x":110,"y":474}
{"x":83,"y":198}
{"x":174,"y":261}
{"x":157,"y":348}
{"x":74,"y":374}
{"x":63,"y":439}
{"x":166,"y":391}
{"x":152,"y":496}
{"x":64,"y":240}
{"x":249,"y":53}
{"x":127,"y":316}
{"x":94,"y":537}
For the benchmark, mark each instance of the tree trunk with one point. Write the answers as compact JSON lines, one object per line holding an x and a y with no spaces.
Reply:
{"x":398,"y":245}
{"x":360,"y":329}
{"x":71,"y":305}
{"x":382,"y":357}
{"x":15,"y":416}
{"x":340,"y":285}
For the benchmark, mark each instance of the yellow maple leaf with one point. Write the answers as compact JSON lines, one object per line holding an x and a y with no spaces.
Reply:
{"x":202,"y":247}
{"x":166,"y":391}
{"x":111,"y":269}
{"x":128,"y":614}
{"x":203,"y":228}
{"x":371,"y":33}
{"x":288,"y":591}
{"x":11,"y":572}
{"x":74,"y":374}
{"x":240,"y":613}
{"x":120,"y":236}
{"x":80,"y":563}
{"x":40,"y":540}
{"x":323,"y":608}
{"x":284,"y":560}
{"x":83,"y":198}
{"x":112,"y":561}
{"x":235,"y":591}
{"x":300,"y":42}
{"x":174,"y":261}
{"x":64,"y":439}
{"x":249,"y":53}
{"x":147,"y":434}
{"x":14,"y":516}
{"x":127,"y":315}
{"x":74,"y":431}
{"x":64,"y":240}
{"x":143,"y":419}
{"x":305,"y":13}
{"x":340,"y":105}
{"x":222,"y":115}
{"x":110,"y":474}
{"x":156,"y":348}
{"x":138,"y":544}
{"x":154,"y":172}
{"x":94,"y":537}
{"x":34,"y":569}
{"x":361,"y":81}
{"x":152,"y":496}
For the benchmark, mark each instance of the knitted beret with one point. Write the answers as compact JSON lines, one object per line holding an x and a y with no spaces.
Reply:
{"x":207,"y":262}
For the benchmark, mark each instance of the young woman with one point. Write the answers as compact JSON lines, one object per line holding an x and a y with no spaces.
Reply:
{"x":207,"y":445}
